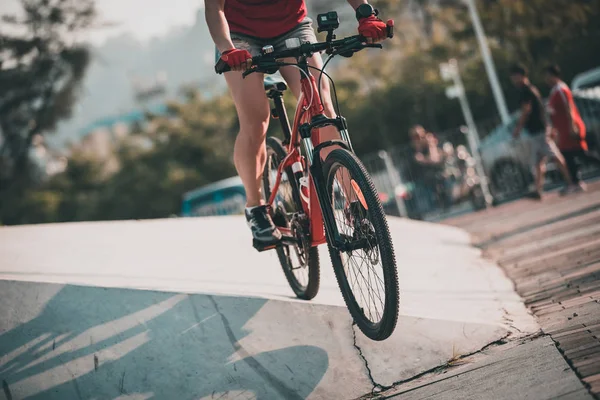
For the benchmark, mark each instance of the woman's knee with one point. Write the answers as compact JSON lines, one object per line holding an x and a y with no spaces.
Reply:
{"x":254,"y":126}
{"x":251,"y":104}
{"x":254,"y":119}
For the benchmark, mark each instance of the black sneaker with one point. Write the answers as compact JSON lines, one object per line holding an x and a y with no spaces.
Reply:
{"x":262,"y":226}
{"x":536,"y":195}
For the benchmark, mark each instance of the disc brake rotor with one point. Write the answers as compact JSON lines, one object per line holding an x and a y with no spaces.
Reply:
{"x":372,"y":249}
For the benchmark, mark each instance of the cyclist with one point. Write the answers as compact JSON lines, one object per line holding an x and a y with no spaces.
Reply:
{"x":240,"y":28}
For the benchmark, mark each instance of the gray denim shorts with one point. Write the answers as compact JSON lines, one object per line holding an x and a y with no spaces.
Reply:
{"x":303,"y":31}
{"x":541,"y":147}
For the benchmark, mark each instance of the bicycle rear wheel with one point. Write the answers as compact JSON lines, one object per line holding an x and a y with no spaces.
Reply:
{"x":300,"y":263}
{"x":366,"y":269}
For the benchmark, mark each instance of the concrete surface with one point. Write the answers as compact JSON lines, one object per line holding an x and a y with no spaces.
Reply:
{"x":217,"y":318}
{"x":532,"y":370}
{"x":101,"y":343}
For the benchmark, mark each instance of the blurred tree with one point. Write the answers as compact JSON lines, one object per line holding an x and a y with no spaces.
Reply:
{"x":41,"y":67}
{"x":169,"y":156}
{"x":534,"y":32}
{"x":165,"y":157}
{"x":384,"y":93}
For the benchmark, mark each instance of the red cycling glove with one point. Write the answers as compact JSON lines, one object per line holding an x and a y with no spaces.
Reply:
{"x":372,"y":28}
{"x":235,"y":57}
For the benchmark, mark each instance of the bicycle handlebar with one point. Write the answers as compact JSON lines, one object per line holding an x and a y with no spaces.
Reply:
{"x":344,"y":47}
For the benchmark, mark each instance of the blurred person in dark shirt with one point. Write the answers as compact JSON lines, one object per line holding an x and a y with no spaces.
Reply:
{"x":568,"y":125}
{"x":533,"y":119}
{"x":426,"y":165}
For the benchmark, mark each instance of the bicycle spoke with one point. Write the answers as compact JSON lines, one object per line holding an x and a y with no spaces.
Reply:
{"x":370,"y":286}
{"x":376,"y":292}
{"x":362,"y":295}
{"x":369,"y":281}
{"x":357,"y":269}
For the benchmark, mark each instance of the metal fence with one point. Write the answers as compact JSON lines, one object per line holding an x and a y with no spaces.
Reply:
{"x":427,"y":191}
{"x":452,"y":185}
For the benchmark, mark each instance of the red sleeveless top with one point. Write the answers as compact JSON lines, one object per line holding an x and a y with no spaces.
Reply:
{"x":264,"y":19}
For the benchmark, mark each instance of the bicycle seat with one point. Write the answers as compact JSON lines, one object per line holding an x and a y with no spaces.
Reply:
{"x":274,"y":83}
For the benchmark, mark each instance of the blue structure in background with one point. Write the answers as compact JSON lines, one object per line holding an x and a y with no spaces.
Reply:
{"x":127,"y":118}
{"x":224,"y":197}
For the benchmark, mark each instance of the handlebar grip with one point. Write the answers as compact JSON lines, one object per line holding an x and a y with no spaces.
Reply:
{"x":222,"y":66}
{"x":390,"y":28}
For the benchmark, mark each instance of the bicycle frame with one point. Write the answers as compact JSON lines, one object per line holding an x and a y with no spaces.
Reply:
{"x":308,"y":119}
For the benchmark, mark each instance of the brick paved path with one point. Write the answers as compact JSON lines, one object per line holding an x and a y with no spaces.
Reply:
{"x":551,"y":251}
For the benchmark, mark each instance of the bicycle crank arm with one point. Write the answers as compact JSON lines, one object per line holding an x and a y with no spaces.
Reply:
{"x":285,"y":241}
{"x":288,"y":240}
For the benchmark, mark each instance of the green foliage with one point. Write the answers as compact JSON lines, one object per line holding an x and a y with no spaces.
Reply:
{"x":41,"y":69}
{"x":40,"y":72}
{"x":534,"y":32}
{"x":156,"y":164}
{"x":404,"y":79}
{"x":191,"y":148}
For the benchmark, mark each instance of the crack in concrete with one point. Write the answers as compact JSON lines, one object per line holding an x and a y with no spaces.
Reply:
{"x":509,"y":321}
{"x":376,"y":386}
{"x":6,"y":389}
{"x":451,"y":362}
{"x":438,"y":369}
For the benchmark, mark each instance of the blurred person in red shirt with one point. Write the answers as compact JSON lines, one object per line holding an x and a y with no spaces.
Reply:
{"x":568,"y":125}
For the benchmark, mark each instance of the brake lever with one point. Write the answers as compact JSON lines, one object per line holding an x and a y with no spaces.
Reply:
{"x":265,"y":69}
{"x":248,"y":72}
{"x":349,"y":51}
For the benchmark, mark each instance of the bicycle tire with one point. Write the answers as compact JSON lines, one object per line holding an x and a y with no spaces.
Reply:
{"x":310,"y":290}
{"x":383,"y":328}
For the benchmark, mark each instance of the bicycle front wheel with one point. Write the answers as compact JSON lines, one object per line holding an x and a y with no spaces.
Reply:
{"x":365,"y":267}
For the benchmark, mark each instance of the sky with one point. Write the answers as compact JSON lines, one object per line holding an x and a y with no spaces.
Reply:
{"x":143,"y":19}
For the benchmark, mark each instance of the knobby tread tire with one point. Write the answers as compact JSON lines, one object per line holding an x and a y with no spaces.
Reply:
{"x":385,"y":327}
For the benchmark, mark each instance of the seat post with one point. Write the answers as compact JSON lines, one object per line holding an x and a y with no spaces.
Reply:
{"x":279,"y":112}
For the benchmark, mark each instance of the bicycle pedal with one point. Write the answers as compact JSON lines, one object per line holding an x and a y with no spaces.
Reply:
{"x":264,"y":246}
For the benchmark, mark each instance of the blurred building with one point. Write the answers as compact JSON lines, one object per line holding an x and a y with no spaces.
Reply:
{"x":123,"y":68}
{"x":49,"y":161}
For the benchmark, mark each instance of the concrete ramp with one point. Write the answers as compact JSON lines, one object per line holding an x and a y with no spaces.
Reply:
{"x":186,"y":309}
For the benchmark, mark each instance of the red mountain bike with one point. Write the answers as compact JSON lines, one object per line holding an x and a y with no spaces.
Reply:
{"x":335,"y":203}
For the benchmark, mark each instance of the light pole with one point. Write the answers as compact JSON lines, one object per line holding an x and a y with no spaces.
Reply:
{"x":449,"y":72}
{"x":395,"y":179}
{"x":488,"y":62}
